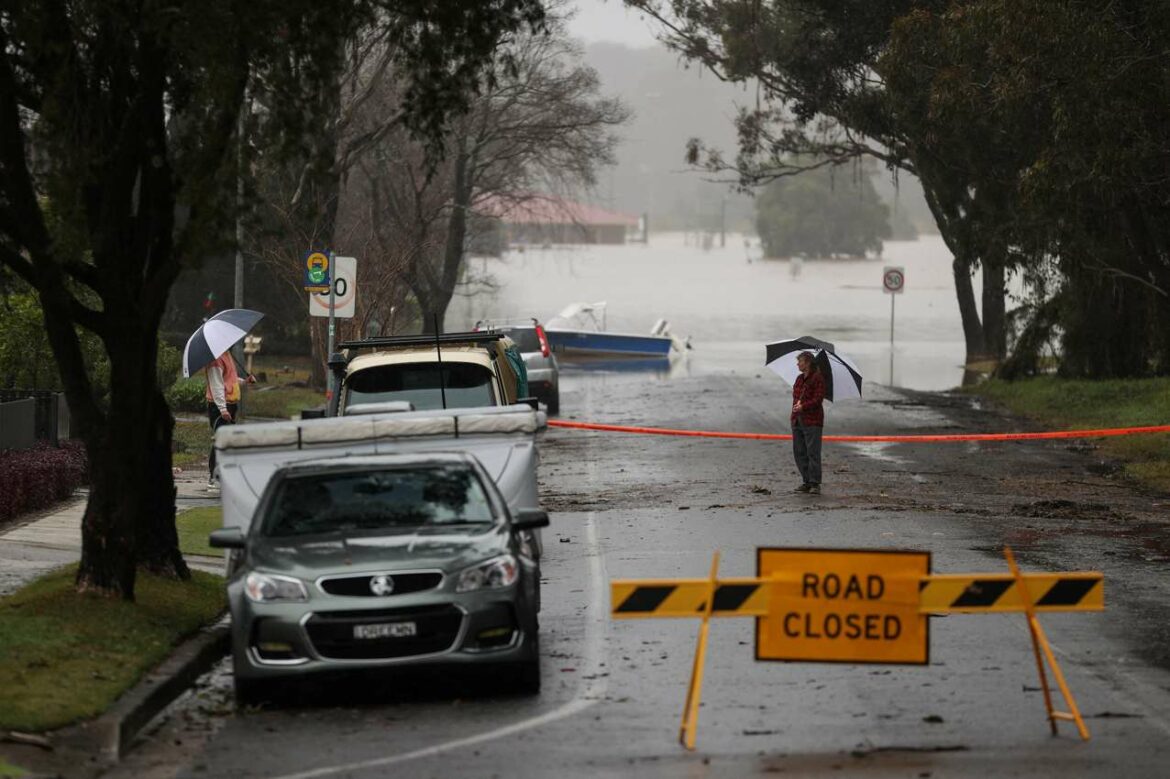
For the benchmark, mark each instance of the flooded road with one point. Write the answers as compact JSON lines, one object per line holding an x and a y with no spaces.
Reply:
{"x":730,"y":302}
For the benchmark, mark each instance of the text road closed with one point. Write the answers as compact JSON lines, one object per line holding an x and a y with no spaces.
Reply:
{"x":843,"y":606}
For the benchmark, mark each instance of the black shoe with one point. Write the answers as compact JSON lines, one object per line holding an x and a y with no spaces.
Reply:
{"x":814,"y":489}
{"x":803,"y":488}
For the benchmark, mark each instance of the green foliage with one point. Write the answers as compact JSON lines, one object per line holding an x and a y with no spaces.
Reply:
{"x":26,"y":360}
{"x":65,"y":656}
{"x":188,"y":394}
{"x":1072,"y":404}
{"x":825,"y":212}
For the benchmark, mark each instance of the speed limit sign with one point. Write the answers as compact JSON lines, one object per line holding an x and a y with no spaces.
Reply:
{"x":344,"y":291}
{"x":893,"y":279}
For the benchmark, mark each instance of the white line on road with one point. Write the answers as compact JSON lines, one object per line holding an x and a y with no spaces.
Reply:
{"x":592,"y":691}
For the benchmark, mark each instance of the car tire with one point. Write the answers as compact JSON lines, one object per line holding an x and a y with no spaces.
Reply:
{"x":526,"y":677}
{"x":554,"y":402}
{"x":253,"y":692}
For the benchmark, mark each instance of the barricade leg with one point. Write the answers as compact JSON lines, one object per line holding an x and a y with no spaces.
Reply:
{"x":1043,"y":650}
{"x":687,"y":731}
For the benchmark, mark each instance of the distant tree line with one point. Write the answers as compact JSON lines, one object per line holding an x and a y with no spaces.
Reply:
{"x":829,"y":211}
{"x":1039,"y":132}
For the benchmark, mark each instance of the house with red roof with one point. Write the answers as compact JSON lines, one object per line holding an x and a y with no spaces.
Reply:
{"x":548,"y":219}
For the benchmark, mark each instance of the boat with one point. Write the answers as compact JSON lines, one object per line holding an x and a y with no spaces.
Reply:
{"x":579,"y":332}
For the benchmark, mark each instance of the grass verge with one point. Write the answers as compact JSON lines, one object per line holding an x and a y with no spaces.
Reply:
{"x":66,"y":656}
{"x":194,"y":526}
{"x":1071,"y":404}
{"x":192,"y":443}
{"x":281,"y":402}
{"x":10,"y":771}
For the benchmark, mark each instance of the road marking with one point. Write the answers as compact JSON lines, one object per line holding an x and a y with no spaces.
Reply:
{"x":592,"y":691}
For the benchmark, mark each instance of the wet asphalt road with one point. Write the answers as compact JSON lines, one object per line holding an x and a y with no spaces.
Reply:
{"x":630,"y":507}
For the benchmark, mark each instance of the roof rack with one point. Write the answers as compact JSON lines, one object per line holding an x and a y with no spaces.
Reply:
{"x":478,"y":337}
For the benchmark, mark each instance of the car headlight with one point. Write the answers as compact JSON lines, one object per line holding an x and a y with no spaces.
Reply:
{"x":268,"y":587}
{"x":497,"y":572}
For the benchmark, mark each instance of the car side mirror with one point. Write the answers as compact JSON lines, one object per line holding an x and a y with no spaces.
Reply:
{"x":529,"y":519}
{"x":226,"y":538}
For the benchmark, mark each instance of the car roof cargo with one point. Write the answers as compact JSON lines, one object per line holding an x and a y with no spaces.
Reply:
{"x":443,"y":339}
{"x":452,"y":423}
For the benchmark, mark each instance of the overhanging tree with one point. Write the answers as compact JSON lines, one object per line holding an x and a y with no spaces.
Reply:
{"x":117,"y":124}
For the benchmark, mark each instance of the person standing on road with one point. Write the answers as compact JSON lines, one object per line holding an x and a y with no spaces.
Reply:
{"x":223,"y":402}
{"x":808,"y":422}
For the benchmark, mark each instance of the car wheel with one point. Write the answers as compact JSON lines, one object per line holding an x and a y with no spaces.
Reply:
{"x":253,"y":692}
{"x":554,"y":402}
{"x":527,"y":677}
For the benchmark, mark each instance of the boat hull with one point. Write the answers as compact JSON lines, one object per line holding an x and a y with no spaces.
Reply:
{"x":583,"y":343}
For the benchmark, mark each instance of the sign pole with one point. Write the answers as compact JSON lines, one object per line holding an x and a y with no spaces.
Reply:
{"x":332,"y":323}
{"x":892,"y":297}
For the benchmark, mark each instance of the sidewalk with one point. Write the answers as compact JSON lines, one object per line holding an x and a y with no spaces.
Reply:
{"x":53,"y":538}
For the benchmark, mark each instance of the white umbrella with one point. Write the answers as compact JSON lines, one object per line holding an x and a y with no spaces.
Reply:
{"x":216,"y":336}
{"x":842,"y":379}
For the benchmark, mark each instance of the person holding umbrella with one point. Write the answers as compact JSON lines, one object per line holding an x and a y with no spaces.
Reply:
{"x":808,"y":422}
{"x":223,"y":402}
{"x":208,"y":349}
{"x":817,"y":373}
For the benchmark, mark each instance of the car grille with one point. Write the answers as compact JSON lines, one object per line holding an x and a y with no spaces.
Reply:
{"x":404,"y":583}
{"x":332,"y":632}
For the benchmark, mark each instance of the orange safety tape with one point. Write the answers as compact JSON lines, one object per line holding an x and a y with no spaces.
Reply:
{"x":1103,"y":433}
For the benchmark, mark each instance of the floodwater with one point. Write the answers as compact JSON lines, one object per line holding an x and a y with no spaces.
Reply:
{"x":729,"y":302}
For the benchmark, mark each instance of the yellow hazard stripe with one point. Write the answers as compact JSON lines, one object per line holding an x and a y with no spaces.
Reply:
{"x":1081,"y":591}
{"x":642,"y":598}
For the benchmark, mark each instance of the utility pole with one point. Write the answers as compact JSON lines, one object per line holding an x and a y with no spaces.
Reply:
{"x":238,"y":296}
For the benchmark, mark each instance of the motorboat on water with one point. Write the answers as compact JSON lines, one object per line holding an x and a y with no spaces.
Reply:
{"x":579,"y":332}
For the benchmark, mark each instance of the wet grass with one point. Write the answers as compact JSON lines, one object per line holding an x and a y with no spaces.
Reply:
{"x":194,"y":526}
{"x":66,"y":656}
{"x":280,"y":402}
{"x":192,"y":442}
{"x":1071,"y":404}
{"x":10,"y":771}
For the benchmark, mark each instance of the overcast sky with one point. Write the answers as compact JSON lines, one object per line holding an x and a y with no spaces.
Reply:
{"x":610,"y":20}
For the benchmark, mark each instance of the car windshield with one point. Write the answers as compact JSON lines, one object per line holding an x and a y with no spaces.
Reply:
{"x":382,"y":499}
{"x":466,"y":385}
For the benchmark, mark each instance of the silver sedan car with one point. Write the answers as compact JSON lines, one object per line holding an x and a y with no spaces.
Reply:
{"x":375,"y":562}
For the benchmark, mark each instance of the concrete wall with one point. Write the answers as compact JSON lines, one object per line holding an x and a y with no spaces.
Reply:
{"x":18,"y":424}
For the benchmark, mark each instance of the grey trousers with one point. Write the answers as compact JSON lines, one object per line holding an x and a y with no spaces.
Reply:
{"x":806,"y":450}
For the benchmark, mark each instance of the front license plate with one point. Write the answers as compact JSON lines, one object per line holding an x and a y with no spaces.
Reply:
{"x":387,"y":630}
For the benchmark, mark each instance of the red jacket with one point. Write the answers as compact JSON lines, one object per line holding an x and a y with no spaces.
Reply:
{"x":810,"y":393}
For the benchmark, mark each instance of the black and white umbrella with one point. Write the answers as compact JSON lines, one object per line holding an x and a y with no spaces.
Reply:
{"x":216,"y":336}
{"x":842,"y":379}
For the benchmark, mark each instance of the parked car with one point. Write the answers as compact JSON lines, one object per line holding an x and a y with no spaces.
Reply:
{"x":363,"y":563}
{"x":541,"y":363}
{"x":418,"y":372}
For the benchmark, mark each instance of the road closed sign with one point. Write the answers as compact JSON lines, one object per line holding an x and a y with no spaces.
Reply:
{"x":843,"y":606}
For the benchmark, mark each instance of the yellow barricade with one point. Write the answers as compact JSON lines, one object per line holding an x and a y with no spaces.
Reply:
{"x":856,"y":606}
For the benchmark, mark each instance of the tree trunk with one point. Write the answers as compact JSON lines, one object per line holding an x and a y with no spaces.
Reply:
{"x":951,"y":227}
{"x":972,"y":327}
{"x":994,"y":308}
{"x":158,"y":550}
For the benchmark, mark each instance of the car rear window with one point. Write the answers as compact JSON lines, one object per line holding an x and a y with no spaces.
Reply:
{"x":525,"y":338}
{"x":377,"y":500}
{"x":466,"y":385}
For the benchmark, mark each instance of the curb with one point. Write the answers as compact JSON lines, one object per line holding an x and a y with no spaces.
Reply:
{"x":110,"y":735}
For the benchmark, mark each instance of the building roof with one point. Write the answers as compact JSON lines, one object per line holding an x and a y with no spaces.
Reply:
{"x":550,"y":209}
